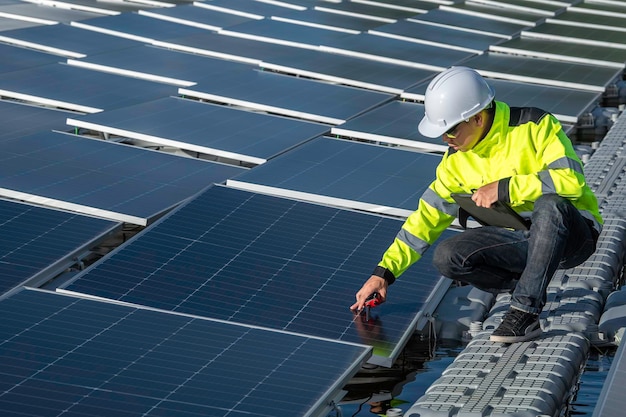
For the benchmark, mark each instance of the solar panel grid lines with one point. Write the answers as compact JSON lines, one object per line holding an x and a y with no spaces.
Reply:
{"x":263,"y":261}
{"x":37,"y":243}
{"x":396,"y":51}
{"x":578,"y":34}
{"x":65,"y":40}
{"x":206,"y":128}
{"x":114,"y":181}
{"x":137,"y":27}
{"x":71,"y":88}
{"x":393,"y":123}
{"x":543,"y":71}
{"x":300,"y":98}
{"x":516,"y":17}
{"x":469,"y":23}
{"x":84,"y":357}
{"x":415,"y":31}
{"x":347,"y":174}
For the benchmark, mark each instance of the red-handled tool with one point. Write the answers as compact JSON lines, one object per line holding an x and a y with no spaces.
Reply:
{"x":372,"y":301}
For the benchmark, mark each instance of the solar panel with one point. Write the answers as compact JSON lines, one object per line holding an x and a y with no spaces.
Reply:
{"x":7,"y":23}
{"x":551,"y":49}
{"x":393,"y":123}
{"x":267,"y":261}
{"x":159,"y":64}
{"x":21,"y":120}
{"x":600,"y":8}
{"x":329,"y":21}
{"x":470,"y":23}
{"x":192,"y":15}
{"x":65,"y":40}
{"x":258,"y":9}
{"x":336,"y":68}
{"x":200,"y":127}
{"x":79,"y":89}
{"x":37,"y":243}
{"x":578,"y":34}
{"x":414,"y":31}
{"x":369,"y":11}
{"x":37,"y":11}
{"x":346,"y":174}
{"x":286,"y":95}
{"x":567,"y":104}
{"x":114,"y":181}
{"x":416,"y":6}
{"x":76,"y":357}
{"x":397,"y":51}
{"x":16,"y":59}
{"x":348,"y":70}
{"x":533,"y":7}
{"x":137,"y":27}
{"x":573,"y":17}
{"x":103,"y":8}
{"x":520,"y":17}
{"x":543,"y":71}
{"x":282,"y":33}
{"x":228,"y":47}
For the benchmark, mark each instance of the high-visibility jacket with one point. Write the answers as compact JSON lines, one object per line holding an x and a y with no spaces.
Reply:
{"x":529,"y":155}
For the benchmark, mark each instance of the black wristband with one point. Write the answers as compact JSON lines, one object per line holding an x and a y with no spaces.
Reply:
{"x":385,"y":274}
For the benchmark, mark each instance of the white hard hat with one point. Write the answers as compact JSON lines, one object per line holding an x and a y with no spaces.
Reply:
{"x":454,"y":95}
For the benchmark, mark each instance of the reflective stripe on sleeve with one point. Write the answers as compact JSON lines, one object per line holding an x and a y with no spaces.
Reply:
{"x":414,"y":242}
{"x":565,"y":162}
{"x":439,"y":203}
{"x":547,"y":184}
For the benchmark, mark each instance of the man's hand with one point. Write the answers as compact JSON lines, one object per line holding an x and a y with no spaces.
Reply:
{"x":372,"y":285}
{"x":486,"y":195}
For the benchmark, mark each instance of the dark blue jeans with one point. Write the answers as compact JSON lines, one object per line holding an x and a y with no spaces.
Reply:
{"x":499,"y":260}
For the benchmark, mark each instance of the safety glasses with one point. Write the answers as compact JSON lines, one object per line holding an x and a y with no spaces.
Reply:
{"x":452,"y":132}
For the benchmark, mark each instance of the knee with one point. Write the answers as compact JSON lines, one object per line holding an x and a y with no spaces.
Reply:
{"x":552,"y":205}
{"x":551,"y":202}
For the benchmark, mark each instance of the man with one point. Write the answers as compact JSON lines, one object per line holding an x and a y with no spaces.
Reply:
{"x":520,"y":156}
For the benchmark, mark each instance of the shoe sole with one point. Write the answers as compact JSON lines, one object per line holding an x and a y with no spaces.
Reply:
{"x":515,"y":339}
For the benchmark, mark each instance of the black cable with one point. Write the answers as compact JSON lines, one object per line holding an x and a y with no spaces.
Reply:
{"x":362,"y":404}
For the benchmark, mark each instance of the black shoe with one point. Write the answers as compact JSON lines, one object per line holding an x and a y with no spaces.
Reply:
{"x":517,"y":326}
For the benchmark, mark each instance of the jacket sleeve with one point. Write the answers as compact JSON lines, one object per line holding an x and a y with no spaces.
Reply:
{"x":558,"y":170}
{"x":435,"y":212}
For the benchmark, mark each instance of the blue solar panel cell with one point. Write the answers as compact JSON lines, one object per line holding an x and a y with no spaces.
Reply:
{"x":138,"y":27}
{"x":394,"y":123}
{"x":79,"y":89}
{"x":472,"y":23}
{"x":196,"y":15}
{"x":38,"y":242}
{"x":274,"y":31}
{"x":150,"y":62}
{"x":290,"y":96}
{"x":67,"y":40}
{"x":16,"y":59}
{"x":428,"y":34}
{"x":397,"y":51}
{"x":347,"y":173}
{"x":78,"y":357}
{"x":115,"y":181}
{"x":21,"y":120}
{"x":206,"y":128}
{"x":267,"y":261}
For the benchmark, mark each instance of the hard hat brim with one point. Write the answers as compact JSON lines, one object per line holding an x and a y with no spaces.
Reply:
{"x":430,"y":130}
